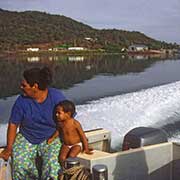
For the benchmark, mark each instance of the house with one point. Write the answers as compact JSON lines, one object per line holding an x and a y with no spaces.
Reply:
{"x":88,"y":38}
{"x":75,"y":48}
{"x":137,"y":48}
{"x":33,"y":49}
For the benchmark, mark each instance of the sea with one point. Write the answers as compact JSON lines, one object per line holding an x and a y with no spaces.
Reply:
{"x":111,"y":91}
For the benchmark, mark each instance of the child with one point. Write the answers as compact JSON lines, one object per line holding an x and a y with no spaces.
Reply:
{"x":70,"y":131}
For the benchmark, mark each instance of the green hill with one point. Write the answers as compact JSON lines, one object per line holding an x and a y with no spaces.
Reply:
{"x":19,"y":30}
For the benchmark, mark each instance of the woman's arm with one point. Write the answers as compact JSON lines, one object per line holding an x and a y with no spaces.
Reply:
{"x":11,"y":135}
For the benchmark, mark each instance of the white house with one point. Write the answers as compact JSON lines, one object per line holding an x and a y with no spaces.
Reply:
{"x":33,"y":49}
{"x":137,"y":47}
{"x":88,"y":38}
{"x":75,"y":48}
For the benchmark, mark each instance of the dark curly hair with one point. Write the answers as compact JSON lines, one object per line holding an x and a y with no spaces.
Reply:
{"x":68,"y":106}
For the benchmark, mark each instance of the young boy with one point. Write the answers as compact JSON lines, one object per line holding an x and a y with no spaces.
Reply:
{"x":70,"y":131}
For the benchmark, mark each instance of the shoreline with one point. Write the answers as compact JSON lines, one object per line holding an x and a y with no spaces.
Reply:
{"x":75,"y":52}
{"x":61,"y":52}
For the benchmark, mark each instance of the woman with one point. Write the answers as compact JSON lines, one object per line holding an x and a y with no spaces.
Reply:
{"x":33,"y":114}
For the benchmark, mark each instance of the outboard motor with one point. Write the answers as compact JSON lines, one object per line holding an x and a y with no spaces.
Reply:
{"x":143,"y":136}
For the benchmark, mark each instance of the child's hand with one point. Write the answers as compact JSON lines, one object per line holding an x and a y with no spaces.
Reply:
{"x":50,"y":140}
{"x":54,"y":136}
{"x":88,"y":151}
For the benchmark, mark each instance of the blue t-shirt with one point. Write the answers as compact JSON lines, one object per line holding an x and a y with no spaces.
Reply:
{"x":36,"y":119}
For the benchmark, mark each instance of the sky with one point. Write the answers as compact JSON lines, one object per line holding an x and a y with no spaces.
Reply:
{"x":159,"y":19}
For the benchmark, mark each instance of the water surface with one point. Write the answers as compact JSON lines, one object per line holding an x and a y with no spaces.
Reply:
{"x":112,"y":91}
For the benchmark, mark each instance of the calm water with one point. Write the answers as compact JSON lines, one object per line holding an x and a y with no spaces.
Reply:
{"x":84,"y":79}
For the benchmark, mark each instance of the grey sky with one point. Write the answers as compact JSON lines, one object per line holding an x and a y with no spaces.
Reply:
{"x":159,"y":19}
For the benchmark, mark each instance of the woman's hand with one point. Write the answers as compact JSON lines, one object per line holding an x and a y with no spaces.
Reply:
{"x":5,"y":154}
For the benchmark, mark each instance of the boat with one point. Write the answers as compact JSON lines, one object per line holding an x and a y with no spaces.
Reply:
{"x":159,"y":161}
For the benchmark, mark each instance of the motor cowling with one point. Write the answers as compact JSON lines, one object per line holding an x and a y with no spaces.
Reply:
{"x":143,"y":136}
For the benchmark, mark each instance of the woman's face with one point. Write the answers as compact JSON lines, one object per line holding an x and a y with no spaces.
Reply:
{"x":27,"y":89}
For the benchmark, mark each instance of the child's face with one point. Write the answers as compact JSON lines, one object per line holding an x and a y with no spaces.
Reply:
{"x":61,"y":115}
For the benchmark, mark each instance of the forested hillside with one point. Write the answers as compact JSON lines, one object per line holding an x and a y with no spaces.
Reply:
{"x":19,"y":30}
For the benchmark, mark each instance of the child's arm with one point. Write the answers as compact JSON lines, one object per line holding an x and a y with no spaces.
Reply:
{"x":55,"y":135}
{"x":83,"y":138}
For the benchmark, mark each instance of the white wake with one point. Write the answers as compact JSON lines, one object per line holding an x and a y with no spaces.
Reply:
{"x":119,"y":114}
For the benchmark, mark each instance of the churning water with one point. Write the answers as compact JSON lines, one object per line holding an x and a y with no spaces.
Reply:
{"x":154,"y":107}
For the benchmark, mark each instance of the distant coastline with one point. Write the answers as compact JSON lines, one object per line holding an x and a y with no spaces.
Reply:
{"x":41,"y":53}
{"x":38,"y":30}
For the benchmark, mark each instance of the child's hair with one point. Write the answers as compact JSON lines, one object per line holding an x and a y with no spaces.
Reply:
{"x":68,"y":106}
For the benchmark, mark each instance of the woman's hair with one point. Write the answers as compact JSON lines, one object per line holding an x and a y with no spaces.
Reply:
{"x":68,"y":106}
{"x":43,"y":77}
